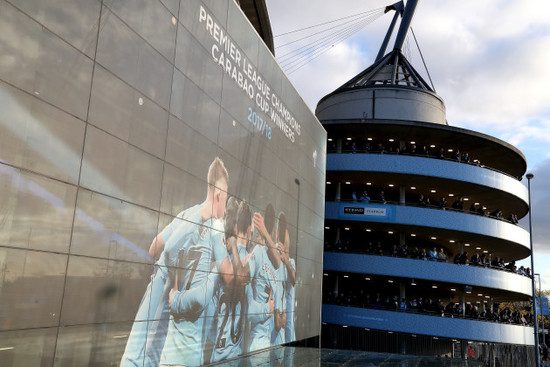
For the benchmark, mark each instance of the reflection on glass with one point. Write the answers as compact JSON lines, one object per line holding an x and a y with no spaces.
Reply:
{"x":36,"y":212}
{"x":30,"y":289}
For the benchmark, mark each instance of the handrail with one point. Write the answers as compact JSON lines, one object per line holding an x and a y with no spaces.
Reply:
{"x":499,"y":268}
{"x":431,"y":206}
{"x":424,"y":312}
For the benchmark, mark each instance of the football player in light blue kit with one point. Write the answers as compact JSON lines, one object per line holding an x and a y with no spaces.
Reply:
{"x":290,"y":292}
{"x":261,"y":269}
{"x":148,"y":334}
{"x":279,"y":314}
{"x":188,"y":325}
{"x":231,"y":300}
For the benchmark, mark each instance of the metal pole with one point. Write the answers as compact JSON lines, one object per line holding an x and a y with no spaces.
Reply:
{"x":398,"y":7}
{"x":410,"y":7}
{"x":541,"y":313}
{"x":537,"y":353}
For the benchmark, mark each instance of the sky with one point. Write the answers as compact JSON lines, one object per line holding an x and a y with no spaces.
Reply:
{"x":488,"y":61}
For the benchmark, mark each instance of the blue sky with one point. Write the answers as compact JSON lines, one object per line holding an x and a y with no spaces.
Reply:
{"x":488,"y":61}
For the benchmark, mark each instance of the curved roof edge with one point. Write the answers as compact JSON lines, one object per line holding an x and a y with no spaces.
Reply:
{"x":430,"y":125}
{"x":257,"y":14}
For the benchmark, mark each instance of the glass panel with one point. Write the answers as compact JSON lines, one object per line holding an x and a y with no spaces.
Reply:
{"x":36,"y":212}
{"x":91,"y":345}
{"x":73,"y":20}
{"x":31,"y":288}
{"x":113,"y":167}
{"x":206,"y":75}
{"x":151,"y":20}
{"x":46,"y":66}
{"x":190,"y":104}
{"x":128,"y":56}
{"x":110,"y":228}
{"x":113,"y":290}
{"x":188,"y":149}
{"x":27,"y":347}
{"x":128,"y":114}
{"x":177,"y":196}
{"x":36,"y":136}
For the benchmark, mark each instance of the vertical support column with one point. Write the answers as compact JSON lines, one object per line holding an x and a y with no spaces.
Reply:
{"x":339,"y":145}
{"x":401,"y":238}
{"x":401,"y":195}
{"x":337,"y":235}
{"x":462,"y":302}
{"x":335,"y":290}
{"x":338,"y":191}
{"x":401,"y":290}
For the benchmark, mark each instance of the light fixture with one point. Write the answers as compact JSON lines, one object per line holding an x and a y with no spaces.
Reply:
{"x":367,"y":329}
{"x":434,"y":286}
{"x":436,"y":338}
{"x":367,"y":278}
{"x":452,"y":241}
{"x":369,"y":139}
{"x":412,"y":282}
{"x":368,"y":230}
{"x":449,"y":150}
{"x":346,"y":276}
{"x":390,"y":185}
{"x":453,"y":289}
{"x":433,"y":238}
{"x":478,"y":248}
{"x":467,"y":244}
{"x":413,"y":187}
{"x":451,"y":194}
{"x":391,"y":140}
{"x":413,"y":142}
{"x":465,"y":199}
{"x":348,"y":182}
{"x":346,"y":228}
{"x":390,"y":281}
{"x":329,"y":139}
{"x":476,"y":203}
{"x":325,"y":274}
{"x":433,"y":191}
{"x":432,"y":146}
{"x":344,"y":325}
{"x":327,"y":227}
{"x":413,"y":234}
{"x":485,"y":251}
{"x":348,"y":138}
{"x":368,"y":183}
{"x":480,"y":294}
{"x":328,"y":182}
{"x":414,"y":336}
{"x":487,"y":296}
{"x":390,"y":232}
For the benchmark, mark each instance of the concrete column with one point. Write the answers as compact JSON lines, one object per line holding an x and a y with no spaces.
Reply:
{"x":339,"y":145}
{"x":460,"y":247}
{"x":463,"y":302}
{"x":402,"y":195}
{"x":401,"y":238}
{"x":335,"y":290}
{"x":402,"y":291}
{"x":338,"y":191}
{"x":337,"y":234}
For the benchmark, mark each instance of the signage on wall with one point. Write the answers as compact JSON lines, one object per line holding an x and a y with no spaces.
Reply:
{"x":267,"y":111}
{"x":378,"y":212}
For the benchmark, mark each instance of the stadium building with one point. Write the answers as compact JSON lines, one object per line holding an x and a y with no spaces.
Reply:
{"x":140,"y":141}
{"x":418,"y":214}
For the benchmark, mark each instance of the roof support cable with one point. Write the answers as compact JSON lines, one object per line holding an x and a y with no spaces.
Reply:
{"x":423,"y":62}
